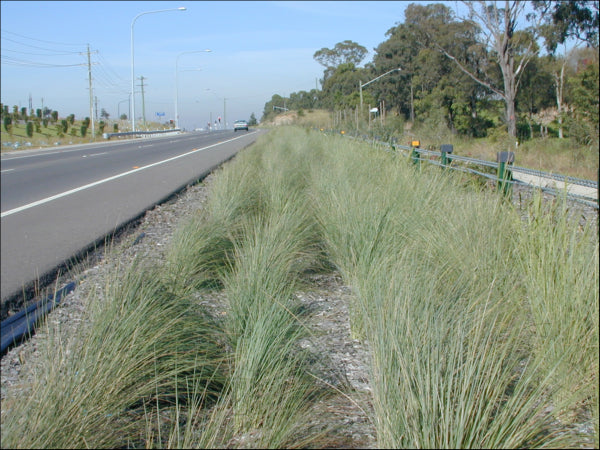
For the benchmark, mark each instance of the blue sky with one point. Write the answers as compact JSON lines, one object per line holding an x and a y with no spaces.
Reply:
{"x":257,"y":49}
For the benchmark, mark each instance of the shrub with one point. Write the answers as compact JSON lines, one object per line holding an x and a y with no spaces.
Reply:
{"x":29,"y":128}
{"x":7,"y":121}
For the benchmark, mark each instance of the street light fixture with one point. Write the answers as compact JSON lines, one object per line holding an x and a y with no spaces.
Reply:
{"x":181,"y":8}
{"x":374,"y":79}
{"x":177,"y":83}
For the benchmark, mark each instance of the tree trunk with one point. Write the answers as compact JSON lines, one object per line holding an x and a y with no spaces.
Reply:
{"x":412,"y":103}
{"x":559,"y":80}
{"x":507,"y":62}
{"x":511,"y":120}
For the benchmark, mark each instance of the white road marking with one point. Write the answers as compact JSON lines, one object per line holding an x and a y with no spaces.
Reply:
{"x":7,"y":170}
{"x":105,"y":180}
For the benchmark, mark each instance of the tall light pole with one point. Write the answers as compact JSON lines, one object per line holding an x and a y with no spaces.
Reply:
{"x":374,"y":79}
{"x":181,"y":8}
{"x":119,"y":105}
{"x":224,"y":107}
{"x":177,"y":84}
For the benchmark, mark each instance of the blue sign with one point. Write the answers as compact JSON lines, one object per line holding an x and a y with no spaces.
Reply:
{"x":160,"y":114}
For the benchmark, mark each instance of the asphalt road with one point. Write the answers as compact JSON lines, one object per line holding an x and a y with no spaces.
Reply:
{"x":57,"y":202}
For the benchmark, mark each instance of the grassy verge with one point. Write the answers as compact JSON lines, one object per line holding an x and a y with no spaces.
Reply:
{"x":457,"y":324}
{"x":483,"y":327}
{"x":18,"y":139}
{"x":560,"y":156}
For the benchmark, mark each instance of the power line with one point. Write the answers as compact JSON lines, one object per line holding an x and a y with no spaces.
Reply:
{"x":36,"y":54}
{"x":39,"y":48}
{"x":40,"y":40}
{"x":109,"y":68}
{"x":19,"y":62}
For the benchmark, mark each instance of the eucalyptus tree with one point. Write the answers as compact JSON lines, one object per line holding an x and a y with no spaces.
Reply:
{"x":577,"y":21}
{"x":346,"y":52}
{"x":399,"y":50}
{"x":583,"y":89}
{"x":497,"y":29}
{"x":342,"y":53}
{"x":428,"y":79}
{"x":537,"y":90}
{"x":341,"y":88}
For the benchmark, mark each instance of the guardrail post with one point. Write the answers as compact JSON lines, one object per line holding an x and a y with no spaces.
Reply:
{"x":445,"y":150}
{"x":415,"y":155}
{"x":505,"y":160}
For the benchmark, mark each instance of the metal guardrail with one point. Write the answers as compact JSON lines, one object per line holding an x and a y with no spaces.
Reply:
{"x":139,"y":133}
{"x":466,"y":162}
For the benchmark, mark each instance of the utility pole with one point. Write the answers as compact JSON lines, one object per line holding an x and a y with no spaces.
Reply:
{"x":91,"y":93}
{"x":143,"y":103}
{"x":96,"y":107}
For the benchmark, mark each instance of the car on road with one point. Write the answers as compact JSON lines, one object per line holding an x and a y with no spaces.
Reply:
{"x":240,"y":125}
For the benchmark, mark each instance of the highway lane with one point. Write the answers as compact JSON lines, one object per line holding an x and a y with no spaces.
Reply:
{"x":33,"y":175}
{"x":58,"y":202}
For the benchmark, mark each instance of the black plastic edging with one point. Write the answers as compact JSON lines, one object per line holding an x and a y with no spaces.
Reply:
{"x":16,"y":327}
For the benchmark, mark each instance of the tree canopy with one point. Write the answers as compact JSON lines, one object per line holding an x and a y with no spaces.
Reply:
{"x":486,"y":70}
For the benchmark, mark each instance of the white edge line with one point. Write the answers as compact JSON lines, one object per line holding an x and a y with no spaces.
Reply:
{"x":105,"y":180}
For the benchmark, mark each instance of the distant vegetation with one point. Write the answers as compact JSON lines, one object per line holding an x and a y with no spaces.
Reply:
{"x":562,"y":156}
{"x":481,"y":320}
{"x":23,"y":129}
{"x":454,"y":82}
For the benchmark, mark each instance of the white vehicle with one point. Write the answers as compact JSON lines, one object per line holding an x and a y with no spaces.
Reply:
{"x":240,"y":125}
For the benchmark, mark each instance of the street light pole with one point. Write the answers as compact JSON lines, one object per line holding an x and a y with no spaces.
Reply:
{"x":181,"y":8}
{"x":119,"y":106}
{"x":177,"y":83}
{"x":374,"y":79}
{"x":224,"y":107}
{"x":361,"y":103}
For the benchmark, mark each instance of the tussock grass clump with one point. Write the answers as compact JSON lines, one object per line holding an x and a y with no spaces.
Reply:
{"x":561,"y":261}
{"x":200,"y":250}
{"x":140,"y":346}
{"x":446,"y":376}
{"x":271,"y":391}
